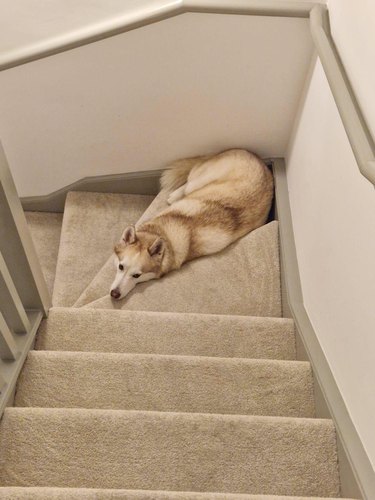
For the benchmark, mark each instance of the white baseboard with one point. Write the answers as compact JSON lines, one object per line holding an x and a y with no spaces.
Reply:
{"x":129,"y":183}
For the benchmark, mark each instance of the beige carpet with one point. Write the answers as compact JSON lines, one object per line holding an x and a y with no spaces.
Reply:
{"x":189,"y":388}
{"x":216,"y":284}
{"x":92,"y":224}
{"x":195,"y":384}
{"x":168,"y":451}
{"x":95,"y":494}
{"x":45,"y":230}
{"x":101,"y":330}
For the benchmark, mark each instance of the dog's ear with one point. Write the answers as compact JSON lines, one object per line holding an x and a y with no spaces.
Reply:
{"x":157,"y":248}
{"x":129,"y":236}
{"x":119,"y":248}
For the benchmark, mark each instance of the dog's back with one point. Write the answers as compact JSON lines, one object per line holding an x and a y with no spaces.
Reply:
{"x":222,"y":197}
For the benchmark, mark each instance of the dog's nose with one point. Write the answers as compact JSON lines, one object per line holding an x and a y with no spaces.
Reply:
{"x":115,"y":294}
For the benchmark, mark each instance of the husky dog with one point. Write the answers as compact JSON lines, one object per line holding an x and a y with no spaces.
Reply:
{"x":214,"y":201}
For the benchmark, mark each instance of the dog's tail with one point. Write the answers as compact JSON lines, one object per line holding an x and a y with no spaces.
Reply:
{"x":177,"y":173}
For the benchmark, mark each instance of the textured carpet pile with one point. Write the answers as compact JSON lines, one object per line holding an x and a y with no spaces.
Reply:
{"x":188,"y":389}
{"x":45,"y":230}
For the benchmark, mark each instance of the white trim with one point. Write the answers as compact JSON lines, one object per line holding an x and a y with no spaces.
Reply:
{"x":143,"y":182}
{"x":148,"y":14}
{"x":354,"y":458}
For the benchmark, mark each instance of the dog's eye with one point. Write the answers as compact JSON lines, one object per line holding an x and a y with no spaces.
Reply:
{"x":121,"y":267}
{"x":136,"y":275}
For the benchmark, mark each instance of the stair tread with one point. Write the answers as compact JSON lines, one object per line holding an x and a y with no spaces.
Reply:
{"x":242,"y":279}
{"x":101,"y":330}
{"x":168,"y":451}
{"x":92,"y":224}
{"x":15,"y":493}
{"x":166,"y":383}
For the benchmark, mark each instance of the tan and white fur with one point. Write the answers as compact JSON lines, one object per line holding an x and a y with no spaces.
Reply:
{"x":214,"y":201}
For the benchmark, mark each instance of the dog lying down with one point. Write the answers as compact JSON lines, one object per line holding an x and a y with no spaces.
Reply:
{"x":214,"y":201}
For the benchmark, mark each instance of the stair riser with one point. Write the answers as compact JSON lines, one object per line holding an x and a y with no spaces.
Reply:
{"x":95,"y":494}
{"x":167,"y":333}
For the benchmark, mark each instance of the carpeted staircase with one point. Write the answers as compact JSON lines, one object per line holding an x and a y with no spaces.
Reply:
{"x":187,"y":389}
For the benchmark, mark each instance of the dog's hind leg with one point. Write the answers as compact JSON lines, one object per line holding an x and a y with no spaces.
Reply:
{"x":201,"y":181}
{"x":195,"y":181}
{"x":177,"y":194}
{"x":210,"y":171}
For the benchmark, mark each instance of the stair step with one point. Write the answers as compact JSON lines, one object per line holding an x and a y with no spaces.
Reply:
{"x":168,"y":451}
{"x":98,"y":287}
{"x":17,"y":493}
{"x":166,"y":383}
{"x":167,"y":333}
{"x":242,"y":279}
{"x":92,"y":223}
{"x":45,"y":230}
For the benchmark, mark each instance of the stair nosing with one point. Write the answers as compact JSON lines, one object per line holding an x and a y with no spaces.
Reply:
{"x":164,"y":414}
{"x":178,"y":357}
{"x":75,"y":310}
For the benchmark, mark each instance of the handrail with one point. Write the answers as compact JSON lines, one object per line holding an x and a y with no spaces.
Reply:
{"x":250,"y":7}
{"x":354,"y":123}
{"x":149,"y":14}
{"x":359,"y":136}
{"x":136,"y":18}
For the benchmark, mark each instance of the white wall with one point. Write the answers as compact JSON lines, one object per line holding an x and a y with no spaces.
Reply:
{"x":333,"y":210}
{"x":189,"y":85}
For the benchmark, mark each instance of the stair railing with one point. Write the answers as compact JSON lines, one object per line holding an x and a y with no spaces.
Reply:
{"x":24,"y":297}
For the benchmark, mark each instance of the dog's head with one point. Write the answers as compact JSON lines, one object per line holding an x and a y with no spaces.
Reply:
{"x":138,"y":259}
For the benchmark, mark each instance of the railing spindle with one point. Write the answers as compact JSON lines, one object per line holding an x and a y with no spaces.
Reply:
{"x":8,"y":347}
{"x":11,"y":304}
